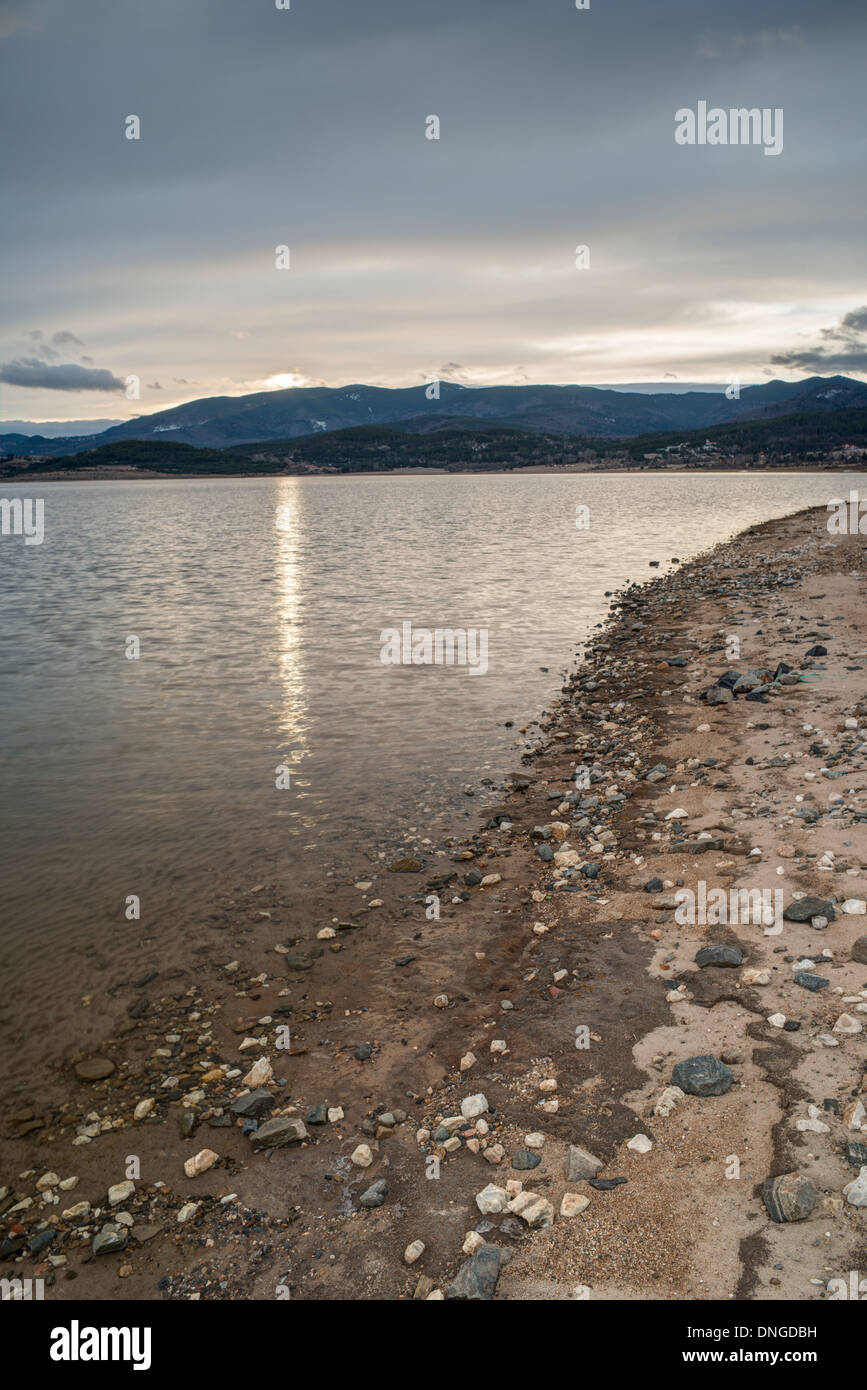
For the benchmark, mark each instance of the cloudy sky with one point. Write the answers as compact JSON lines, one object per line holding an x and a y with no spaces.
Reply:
{"x":410,"y":257}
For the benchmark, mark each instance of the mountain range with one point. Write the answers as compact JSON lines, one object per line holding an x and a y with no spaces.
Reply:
{"x":224,"y":422}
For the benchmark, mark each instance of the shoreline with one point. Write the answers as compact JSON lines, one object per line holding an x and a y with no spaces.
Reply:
{"x":145,"y":475}
{"x":650,"y":1236}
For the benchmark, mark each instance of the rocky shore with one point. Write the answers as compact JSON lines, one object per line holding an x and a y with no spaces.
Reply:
{"x":609,"y":1045}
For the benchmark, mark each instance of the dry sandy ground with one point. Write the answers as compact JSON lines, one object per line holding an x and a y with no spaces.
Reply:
{"x":689,"y":1221}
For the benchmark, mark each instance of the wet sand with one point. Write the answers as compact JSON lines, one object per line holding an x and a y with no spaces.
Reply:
{"x":561,"y":953}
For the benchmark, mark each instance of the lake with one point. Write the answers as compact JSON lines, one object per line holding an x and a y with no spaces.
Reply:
{"x":171,"y":645}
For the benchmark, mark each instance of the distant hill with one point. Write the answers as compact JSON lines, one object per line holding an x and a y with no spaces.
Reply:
{"x":474,"y":446}
{"x":53,"y":429}
{"x":228,"y":421}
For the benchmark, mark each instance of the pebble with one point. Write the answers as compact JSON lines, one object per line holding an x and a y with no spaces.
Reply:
{"x":573,"y":1204}
{"x":276,"y":1133}
{"x":640,"y":1144}
{"x":580,"y":1164}
{"x":94,"y":1069}
{"x":200,"y":1162}
{"x":110,"y":1239}
{"x":473,"y":1106}
{"x":523,"y":1160}
{"x":790,"y":1197}
{"x":702,"y":1076}
{"x":120,"y":1192}
{"x":375,"y":1194}
{"x":492,"y":1200}
{"x":718,"y":955}
{"x":855,"y":1192}
{"x":476,"y":1280}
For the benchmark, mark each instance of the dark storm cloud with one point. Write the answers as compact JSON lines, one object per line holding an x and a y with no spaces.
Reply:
{"x":38,"y":375}
{"x":306,"y":127}
{"x":842,"y":348}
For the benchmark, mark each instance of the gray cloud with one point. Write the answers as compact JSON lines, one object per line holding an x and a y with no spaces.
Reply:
{"x":66,"y":339}
{"x":306,"y":127}
{"x":36,"y":374}
{"x":842,"y":348}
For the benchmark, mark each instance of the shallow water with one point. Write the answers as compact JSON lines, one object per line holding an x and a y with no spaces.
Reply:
{"x":258,"y":605}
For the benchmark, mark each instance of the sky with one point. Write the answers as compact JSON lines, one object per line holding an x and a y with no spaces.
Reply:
{"x":412,"y":258}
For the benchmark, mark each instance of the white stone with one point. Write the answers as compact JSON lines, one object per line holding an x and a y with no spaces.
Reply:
{"x":472,"y":1242}
{"x":259,"y":1073}
{"x":855,"y":1192}
{"x":200,"y":1162}
{"x":847,"y":1025}
{"x":856,"y":907}
{"x":468,"y":1060}
{"x":667,"y":1101}
{"x":361,"y":1157}
{"x":640,"y":1144}
{"x":143,"y":1108}
{"x":80,"y":1209}
{"x":537,"y":1211}
{"x":187,"y":1210}
{"x":777,"y":1020}
{"x":473,"y":1106}
{"x":413,"y":1252}
{"x":534,"y":1140}
{"x":492,"y":1200}
{"x":573,"y":1204}
{"x":120,"y":1192}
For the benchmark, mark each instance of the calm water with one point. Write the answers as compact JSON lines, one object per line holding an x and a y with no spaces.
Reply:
{"x":258,"y":607}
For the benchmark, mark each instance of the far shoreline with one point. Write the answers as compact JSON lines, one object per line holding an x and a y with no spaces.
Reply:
{"x":146,"y":475}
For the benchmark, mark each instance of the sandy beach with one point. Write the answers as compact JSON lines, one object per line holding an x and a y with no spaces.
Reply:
{"x":512,"y":1005}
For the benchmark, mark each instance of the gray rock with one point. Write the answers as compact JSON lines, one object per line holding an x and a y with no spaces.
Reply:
{"x":718,"y":955}
{"x":789,"y":1198}
{"x":375,"y":1194}
{"x":523,"y":1160}
{"x":859,"y":950}
{"x":805,"y":909}
{"x":580,"y":1164}
{"x":477,"y":1277}
{"x":110,"y":1239}
{"x":806,"y":980}
{"x":274,"y":1134}
{"x":702,"y":1076}
{"x":254,"y":1104}
{"x":719,"y":695}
